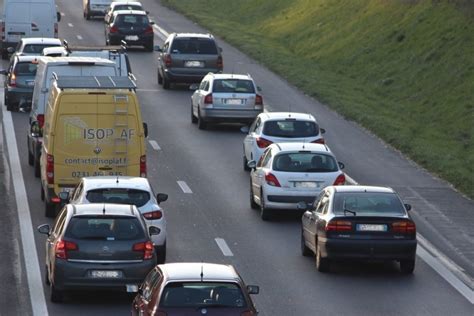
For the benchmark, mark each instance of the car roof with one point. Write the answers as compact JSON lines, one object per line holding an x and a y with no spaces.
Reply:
{"x":201,"y":35}
{"x":230,"y":76}
{"x":55,"y":49}
{"x":116,"y":182}
{"x":136,"y":12}
{"x":105,"y":209}
{"x":285,"y":115}
{"x":191,"y":271}
{"x":115,"y":3}
{"x":27,"y":58}
{"x":41,"y":40}
{"x":66,"y":59}
{"x":297,"y":146}
{"x":362,"y":188}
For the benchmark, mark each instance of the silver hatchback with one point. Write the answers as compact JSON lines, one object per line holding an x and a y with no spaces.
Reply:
{"x":225,"y":98}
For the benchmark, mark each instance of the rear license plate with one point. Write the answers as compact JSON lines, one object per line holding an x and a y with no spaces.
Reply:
{"x":306,"y":184}
{"x":132,"y":288}
{"x":193,"y":63}
{"x":233,"y":101}
{"x":131,"y":38}
{"x":106,"y":274}
{"x":30,"y":83}
{"x":372,"y":227}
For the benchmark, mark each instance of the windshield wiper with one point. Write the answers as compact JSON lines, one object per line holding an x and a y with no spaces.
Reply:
{"x":349,"y":211}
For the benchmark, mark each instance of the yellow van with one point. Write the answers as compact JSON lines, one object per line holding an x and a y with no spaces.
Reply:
{"x":93,"y":127}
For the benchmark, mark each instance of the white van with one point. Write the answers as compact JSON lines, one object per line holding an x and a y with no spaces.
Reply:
{"x":27,"y":18}
{"x":93,"y":8}
{"x":66,"y":66}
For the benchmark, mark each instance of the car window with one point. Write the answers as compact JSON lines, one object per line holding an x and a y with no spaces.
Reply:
{"x":323,"y":204}
{"x":118,"y":196}
{"x":104,"y":228}
{"x":253,"y":127}
{"x":204,"y":85}
{"x":266,"y":160}
{"x":200,"y":294}
{"x":127,"y":7}
{"x":305,"y":162}
{"x":233,"y":86}
{"x":203,"y":46}
{"x":25,"y":69}
{"x":150,"y":283}
{"x":36,"y":48}
{"x":263,"y":157}
{"x":368,"y":203}
{"x":59,"y":222}
{"x":291,"y":128}
{"x":77,"y":192}
{"x":131,"y":20}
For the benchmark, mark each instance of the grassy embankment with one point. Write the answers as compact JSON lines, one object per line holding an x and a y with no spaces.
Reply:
{"x":403,"y":69}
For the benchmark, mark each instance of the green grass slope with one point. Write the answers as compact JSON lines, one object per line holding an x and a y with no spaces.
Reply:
{"x":404,"y":69}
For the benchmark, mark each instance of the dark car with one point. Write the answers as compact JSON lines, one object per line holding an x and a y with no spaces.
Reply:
{"x":130,"y":26}
{"x":359,"y":222}
{"x":187,"y":58}
{"x":97,"y":246}
{"x":194,"y":288}
{"x":19,"y":82}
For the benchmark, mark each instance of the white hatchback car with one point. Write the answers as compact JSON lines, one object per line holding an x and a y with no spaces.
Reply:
{"x":289,"y":173}
{"x":279,"y":127}
{"x":126,"y":190}
{"x":35,"y":45}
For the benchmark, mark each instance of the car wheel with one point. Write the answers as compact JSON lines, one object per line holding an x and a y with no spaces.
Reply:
{"x":201,"y":123}
{"x":322,"y":264}
{"x":56,"y":296}
{"x":42,"y":193}
{"x":4,"y":54}
{"x":166,"y":83}
{"x":245,"y":161}
{"x":31,"y":158}
{"x":305,"y":251}
{"x":407,"y":266}
{"x":10,"y":106}
{"x":253,"y":205}
{"x":46,"y":276}
{"x":264,"y":212}
{"x":49,"y":209}
{"x":36,"y":167}
{"x":194,"y":119}
{"x":160,"y":78}
{"x":161,"y":253}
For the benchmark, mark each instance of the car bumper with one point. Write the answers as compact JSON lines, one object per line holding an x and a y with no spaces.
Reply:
{"x":188,"y":77}
{"x":225,"y":115}
{"x":281,"y":198}
{"x":142,"y":39}
{"x":74,"y":275}
{"x":17,"y":95}
{"x":367,"y":249}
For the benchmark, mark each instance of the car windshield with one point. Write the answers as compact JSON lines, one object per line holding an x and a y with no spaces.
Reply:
{"x":25,"y":69}
{"x":118,"y":196}
{"x":291,"y":128}
{"x":305,"y":162}
{"x":104,"y":228}
{"x":233,"y":86}
{"x":202,"y":46}
{"x":202,"y":294}
{"x":368,"y":203}
{"x":127,"y":7}
{"x":131,"y":20}
{"x":36,"y":49}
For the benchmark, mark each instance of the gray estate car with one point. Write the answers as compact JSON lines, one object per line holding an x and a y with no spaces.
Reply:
{"x":97,"y":246}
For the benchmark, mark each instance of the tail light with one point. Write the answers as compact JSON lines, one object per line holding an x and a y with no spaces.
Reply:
{"x":113,"y":29}
{"x":13,"y":80}
{"x":263,"y":143}
{"x":153,"y":215}
{"x":168,"y":61}
{"x":56,"y":28}
{"x":208,"y":99}
{"x":40,"y":119}
{"x":340,"y":180}
{"x":404,"y":227}
{"x":146,"y":248}
{"x":149,"y":29}
{"x":258,"y":99}
{"x":338,"y":226}
{"x":247,"y":313}
{"x":62,"y":247}
{"x":319,"y":141}
{"x":220,"y":63}
{"x":50,"y":169}
{"x":143,"y":166}
{"x":270,"y":179}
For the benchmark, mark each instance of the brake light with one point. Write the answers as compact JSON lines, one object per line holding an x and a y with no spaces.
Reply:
{"x":113,"y":29}
{"x":62,"y":247}
{"x":153,"y":215}
{"x":338,"y":226}
{"x":404,"y":227}
{"x":146,"y":248}
{"x":50,"y":169}
{"x":40,"y":119}
{"x":168,"y":60}
{"x":143,"y":166}
{"x":258,"y":99}
{"x":13,"y":80}
{"x":272,"y":180}
{"x":56,"y":30}
{"x":220,"y":63}
{"x":319,"y":141}
{"x":149,"y":29}
{"x":263,"y":143}
{"x":340,"y":180}
{"x":208,"y":99}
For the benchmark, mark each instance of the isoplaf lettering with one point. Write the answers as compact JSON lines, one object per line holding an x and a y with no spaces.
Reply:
{"x":104,"y":133}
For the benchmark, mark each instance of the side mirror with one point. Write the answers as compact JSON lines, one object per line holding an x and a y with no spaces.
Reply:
{"x":10,"y":50}
{"x":194,"y":87}
{"x":157,"y":48}
{"x":253,"y":289}
{"x":3,"y":72}
{"x":245,"y":129}
{"x":153,"y":230}
{"x":145,"y":129}
{"x":322,"y":130}
{"x":152,"y":22}
{"x":252,"y":164}
{"x":408,"y":207}
{"x":341,"y":165}
{"x":58,"y":16}
{"x":35,"y":129}
{"x":44,"y":229}
{"x":161,"y":197}
{"x":259,"y":89}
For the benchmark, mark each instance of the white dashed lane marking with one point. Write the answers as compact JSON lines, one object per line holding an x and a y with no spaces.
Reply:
{"x":79,"y":37}
{"x":70,"y":25}
{"x":223,"y":247}
{"x":154,"y":145}
{"x":184,"y":187}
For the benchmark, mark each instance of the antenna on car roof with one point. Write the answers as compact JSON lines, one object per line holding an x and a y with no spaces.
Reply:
{"x":103,"y":210}
{"x":202,"y":272}
{"x":304,"y":142}
{"x":117,"y":181}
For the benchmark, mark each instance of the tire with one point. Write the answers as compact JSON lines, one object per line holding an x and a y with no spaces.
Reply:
{"x":407,"y":266}
{"x":322,"y":264}
{"x":161,"y":253}
{"x":305,"y":251}
{"x":42,"y":193}
{"x":253,"y":205}
{"x":4,"y":55}
{"x":166,"y":83}
{"x":36,"y":167}
{"x":10,"y":107}
{"x":49,"y":209}
{"x":201,"y":123}
{"x":194,"y":119}
{"x":31,"y":158}
{"x":245,"y":161}
{"x":264,"y":212}
{"x":55,"y":296}
{"x":160,"y":78}
{"x":46,"y":276}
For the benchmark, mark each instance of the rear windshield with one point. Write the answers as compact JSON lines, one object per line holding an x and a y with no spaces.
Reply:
{"x":305,"y":162}
{"x":26,"y":69}
{"x":131,"y":20}
{"x":366,"y":203}
{"x":233,"y":86}
{"x":291,"y":128}
{"x":194,"y":46}
{"x":36,"y":48}
{"x":127,"y":7}
{"x":105,"y":228}
{"x":202,"y":294}
{"x":118,"y":196}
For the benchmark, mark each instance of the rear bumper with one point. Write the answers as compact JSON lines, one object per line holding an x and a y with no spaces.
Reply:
{"x":367,"y":249}
{"x":196,"y":76}
{"x":225,"y":115}
{"x":142,"y":40}
{"x":283,"y":198}
{"x":15,"y":95}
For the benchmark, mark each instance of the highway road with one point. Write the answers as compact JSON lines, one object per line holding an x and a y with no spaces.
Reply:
{"x":208,"y":201}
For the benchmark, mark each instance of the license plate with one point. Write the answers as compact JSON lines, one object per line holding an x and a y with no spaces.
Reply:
{"x":306,"y":184}
{"x":30,"y":83}
{"x":372,"y":227}
{"x":105,"y":274}
{"x":233,"y":101}
{"x":193,"y":63}
{"x":131,"y":38}
{"x":132,"y":288}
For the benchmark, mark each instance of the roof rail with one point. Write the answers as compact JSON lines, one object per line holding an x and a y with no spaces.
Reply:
{"x":94,"y":82}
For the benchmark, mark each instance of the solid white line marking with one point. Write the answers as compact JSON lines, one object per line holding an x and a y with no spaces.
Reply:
{"x":446,"y":274}
{"x":33,"y":274}
{"x":223,"y":247}
{"x":349,"y":180}
{"x":62,"y":14}
{"x":70,"y":25}
{"x":79,"y":37}
{"x":184,"y":187}
{"x":155,"y":145}
{"x":161,"y":30}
